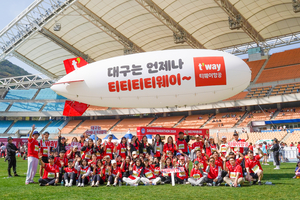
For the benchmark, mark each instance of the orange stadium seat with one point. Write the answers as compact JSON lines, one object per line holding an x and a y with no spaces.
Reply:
{"x":105,"y":124}
{"x":288,"y":57}
{"x":280,"y":73}
{"x":70,"y":126}
{"x":132,"y":124}
{"x":257,"y":116}
{"x":255,"y":66}
{"x":294,"y":137}
{"x":166,"y":122}
{"x":97,"y":108}
{"x":289,"y":115}
{"x":226,"y":122}
{"x":193,"y":121}
{"x":254,"y":136}
{"x":238,"y":96}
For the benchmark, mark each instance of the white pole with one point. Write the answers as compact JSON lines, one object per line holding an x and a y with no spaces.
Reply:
{"x":172,"y":178}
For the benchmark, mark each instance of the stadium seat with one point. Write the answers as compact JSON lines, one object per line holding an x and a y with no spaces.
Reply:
{"x":47,"y":93}
{"x":166,"y":122}
{"x":294,"y":137}
{"x":105,"y":124}
{"x":31,"y":107}
{"x":4,"y":125}
{"x":70,"y":126}
{"x":3,"y":106}
{"x":53,"y":127}
{"x":53,"y":106}
{"x":131,"y":123}
{"x":193,"y":121}
{"x":20,"y":94}
{"x":289,"y":115}
{"x":224,"y":120}
{"x":26,"y":125}
{"x":255,"y":66}
{"x":257,"y":116}
{"x":288,"y":57}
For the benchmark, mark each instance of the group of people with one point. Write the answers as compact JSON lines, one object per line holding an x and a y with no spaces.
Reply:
{"x":139,"y":162}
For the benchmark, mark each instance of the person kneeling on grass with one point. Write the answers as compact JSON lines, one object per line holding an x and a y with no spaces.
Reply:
{"x":196,"y":175}
{"x":148,"y":176}
{"x":51,"y":172}
{"x":84,"y":172}
{"x":297,"y":171}
{"x":214,"y":172}
{"x":115,"y":175}
{"x":98,"y":174}
{"x":235,"y":174}
{"x":135,"y":171}
{"x":253,"y":168}
{"x":70,"y":174}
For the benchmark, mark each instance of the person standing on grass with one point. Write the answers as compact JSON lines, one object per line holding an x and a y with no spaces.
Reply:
{"x":11,"y":156}
{"x":45,"y":151}
{"x":275,"y":148}
{"x":33,"y":151}
{"x":182,"y":143}
{"x":3,"y":148}
{"x":265,"y":153}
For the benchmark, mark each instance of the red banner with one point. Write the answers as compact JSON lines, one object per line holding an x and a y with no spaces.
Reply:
{"x":141,"y":131}
{"x":238,"y":144}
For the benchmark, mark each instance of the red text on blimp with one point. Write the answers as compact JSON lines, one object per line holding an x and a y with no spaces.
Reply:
{"x":145,"y":83}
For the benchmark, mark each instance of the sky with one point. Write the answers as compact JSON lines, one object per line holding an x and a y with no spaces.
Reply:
{"x":10,"y":9}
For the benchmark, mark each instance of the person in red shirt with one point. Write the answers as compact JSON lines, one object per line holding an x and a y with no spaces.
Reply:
{"x":125,"y":166}
{"x":45,"y":151}
{"x":292,"y":144}
{"x":84,"y":172}
{"x":170,"y":146}
{"x":98,"y":149}
{"x":115,"y":175}
{"x":148,"y":176}
{"x":182,"y":144}
{"x":213,"y":177}
{"x":87,"y":151}
{"x":98,"y":174}
{"x":157,"y":146}
{"x":218,"y":160}
{"x":109,"y":147}
{"x":211,"y":146}
{"x":181,"y":177}
{"x":298,"y":147}
{"x":135,"y":171}
{"x":196,"y":176}
{"x":201,"y":158}
{"x":197,"y":145}
{"x":236,"y":139}
{"x":165,"y":163}
{"x":235,"y":172}
{"x":253,"y":168}
{"x":70,"y":154}
{"x":51,"y":172}
{"x":121,"y":149}
{"x":33,"y":151}
{"x":70,"y":174}
{"x":61,"y":161}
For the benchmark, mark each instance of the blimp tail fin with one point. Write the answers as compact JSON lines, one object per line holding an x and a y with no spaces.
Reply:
{"x":74,"y":108}
{"x":74,"y":63}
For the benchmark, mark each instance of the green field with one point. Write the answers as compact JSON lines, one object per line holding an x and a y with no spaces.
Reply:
{"x":285,"y":188}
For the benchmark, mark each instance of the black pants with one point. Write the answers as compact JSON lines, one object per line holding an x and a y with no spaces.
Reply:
{"x":178,"y":180}
{"x":81,"y":180}
{"x":47,"y":181}
{"x":111,"y":179}
{"x":12,"y":163}
{"x":2,"y":154}
{"x":223,"y":173}
{"x":126,"y":174}
{"x":69,"y":176}
{"x":208,"y":180}
{"x":276,"y":157}
{"x":166,"y":179}
{"x":97,"y":178}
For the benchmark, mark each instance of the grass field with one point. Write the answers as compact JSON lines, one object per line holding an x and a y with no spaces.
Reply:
{"x":285,"y":188}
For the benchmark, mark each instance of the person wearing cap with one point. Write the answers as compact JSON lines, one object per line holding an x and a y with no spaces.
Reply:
{"x":51,"y":173}
{"x":182,"y":143}
{"x":44,"y":150}
{"x":109,"y":147}
{"x":196,"y":176}
{"x":197,"y":145}
{"x":115,"y":175}
{"x":147,"y":176}
{"x":33,"y":151}
{"x":275,"y":148}
{"x":236,"y":139}
{"x":223,"y":145}
{"x":11,"y":156}
{"x":61,"y":145}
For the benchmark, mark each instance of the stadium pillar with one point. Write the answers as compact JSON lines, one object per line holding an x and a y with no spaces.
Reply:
{"x":243,"y":108}
{"x":279,"y":106}
{"x":217,"y":111}
{"x":165,"y":114}
{"x":189,"y":112}
{"x":248,"y":108}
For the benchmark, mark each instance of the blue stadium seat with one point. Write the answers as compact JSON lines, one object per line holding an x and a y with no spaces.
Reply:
{"x":47,"y":93}
{"x":20,"y":94}
{"x":4,"y":125}
{"x":54,"y":106}
{"x":26,"y":125}
{"x":32,"y":107}
{"x":52,"y":128}
{"x":4,"y":105}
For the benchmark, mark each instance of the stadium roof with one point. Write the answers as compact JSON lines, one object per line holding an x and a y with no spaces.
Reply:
{"x":97,"y":30}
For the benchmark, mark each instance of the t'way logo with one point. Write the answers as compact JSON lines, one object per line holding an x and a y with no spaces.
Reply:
{"x":209,"y":71}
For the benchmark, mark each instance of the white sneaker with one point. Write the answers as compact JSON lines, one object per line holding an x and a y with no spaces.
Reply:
{"x":79,"y":184}
{"x":97,"y":184}
{"x":82,"y":184}
{"x":266,"y":164}
{"x":93,"y":184}
{"x":70,"y":184}
{"x":108,"y":184}
{"x":67,"y":184}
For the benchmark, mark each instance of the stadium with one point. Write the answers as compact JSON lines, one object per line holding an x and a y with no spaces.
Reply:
{"x":51,"y":31}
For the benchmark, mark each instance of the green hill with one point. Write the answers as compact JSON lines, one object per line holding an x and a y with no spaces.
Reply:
{"x":8,"y":69}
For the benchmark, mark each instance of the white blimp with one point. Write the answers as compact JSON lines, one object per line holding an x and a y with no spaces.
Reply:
{"x":156,"y":79}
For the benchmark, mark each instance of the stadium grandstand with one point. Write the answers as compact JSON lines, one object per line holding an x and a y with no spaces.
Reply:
{"x":96,"y":30}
